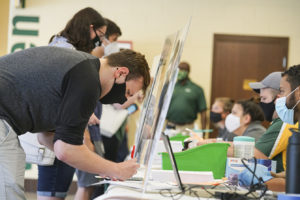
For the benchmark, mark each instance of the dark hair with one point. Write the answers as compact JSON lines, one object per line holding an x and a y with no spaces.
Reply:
{"x":252,"y":108}
{"x":77,"y":30}
{"x":112,"y":28}
{"x":293,"y":76}
{"x":134,"y":61}
{"x":185,"y":65}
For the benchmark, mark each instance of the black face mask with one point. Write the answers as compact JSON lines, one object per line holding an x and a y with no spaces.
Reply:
{"x":115,"y":95}
{"x":268,"y":109}
{"x":97,"y":42}
{"x":215,"y":117}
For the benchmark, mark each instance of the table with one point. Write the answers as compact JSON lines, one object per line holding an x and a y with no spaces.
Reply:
{"x":126,"y":193}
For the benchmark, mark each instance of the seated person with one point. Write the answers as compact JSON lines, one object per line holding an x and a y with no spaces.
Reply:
{"x":219,"y":111}
{"x":268,"y":89}
{"x":288,"y":85}
{"x":245,"y":120}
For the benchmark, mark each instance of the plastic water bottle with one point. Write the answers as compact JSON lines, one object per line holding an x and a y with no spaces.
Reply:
{"x":293,"y":163}
{"x":243,"y":147}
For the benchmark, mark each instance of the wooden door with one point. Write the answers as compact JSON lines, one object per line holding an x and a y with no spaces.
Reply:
{"x":238,"y":60}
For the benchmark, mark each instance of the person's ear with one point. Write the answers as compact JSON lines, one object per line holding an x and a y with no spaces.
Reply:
{"x":121,"y":72}
{"x":247,"y":119}
{"x":91,"y":27}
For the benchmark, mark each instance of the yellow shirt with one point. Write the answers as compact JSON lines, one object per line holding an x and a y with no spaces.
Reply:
{"x":282,"y":141}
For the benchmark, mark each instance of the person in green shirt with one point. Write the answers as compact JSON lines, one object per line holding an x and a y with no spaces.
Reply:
{"x":268,"y":90}
{"x":187,"y":101}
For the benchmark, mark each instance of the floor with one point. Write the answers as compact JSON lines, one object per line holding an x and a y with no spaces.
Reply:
{"x":32,"y":196}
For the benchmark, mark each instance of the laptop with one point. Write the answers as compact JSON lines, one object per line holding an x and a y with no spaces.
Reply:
{"x":167,"y":143}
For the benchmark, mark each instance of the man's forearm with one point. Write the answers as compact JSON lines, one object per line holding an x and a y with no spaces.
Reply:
{"x":80,"y":157}
{"x":276,"y":184}
{"x":259,"y":155}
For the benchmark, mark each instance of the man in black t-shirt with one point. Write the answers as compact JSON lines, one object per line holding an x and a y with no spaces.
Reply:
{"x":51,"y":89}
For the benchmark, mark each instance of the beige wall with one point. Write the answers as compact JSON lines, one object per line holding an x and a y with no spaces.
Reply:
{"x":4,"y":8}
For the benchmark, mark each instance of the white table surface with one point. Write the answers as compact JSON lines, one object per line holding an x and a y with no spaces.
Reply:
{"x":125,"y":193}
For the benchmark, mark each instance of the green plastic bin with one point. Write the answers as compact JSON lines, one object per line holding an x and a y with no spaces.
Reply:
{"x":208,"y":157}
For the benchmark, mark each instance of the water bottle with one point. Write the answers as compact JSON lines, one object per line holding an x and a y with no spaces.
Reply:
{"x":243,"y":147}
{"x":293,"y":163}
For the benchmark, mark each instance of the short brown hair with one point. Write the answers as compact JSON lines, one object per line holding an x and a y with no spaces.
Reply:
{"x":134,"y":61}
{"x":227,"y":103}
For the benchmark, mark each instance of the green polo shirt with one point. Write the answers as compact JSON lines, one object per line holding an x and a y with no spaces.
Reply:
{"x":267,"y":141}
{"x":187,"y":101}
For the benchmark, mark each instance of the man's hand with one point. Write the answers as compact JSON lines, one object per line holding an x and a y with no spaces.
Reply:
{"x":279,"y":175}
{"x":93,"y":120}
{"x":127,"y":169}
{"x":206,"y":141}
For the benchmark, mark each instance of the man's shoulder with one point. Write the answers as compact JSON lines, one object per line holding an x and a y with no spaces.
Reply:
{"x":271,"y":133}
{"x":194,"y":85}
{"x":275,"y":125}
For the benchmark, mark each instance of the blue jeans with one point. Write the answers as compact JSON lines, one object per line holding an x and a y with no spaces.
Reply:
{"x":55,"y":180}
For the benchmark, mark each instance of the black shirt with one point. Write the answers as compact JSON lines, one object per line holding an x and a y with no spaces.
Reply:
{"x":49,"y":88}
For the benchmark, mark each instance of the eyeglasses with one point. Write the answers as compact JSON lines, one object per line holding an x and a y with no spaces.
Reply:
{"x":102,"y":34}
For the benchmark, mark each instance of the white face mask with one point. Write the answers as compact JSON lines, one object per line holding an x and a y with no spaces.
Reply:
{"x":285,"y":114}
{"x":232,"y":122}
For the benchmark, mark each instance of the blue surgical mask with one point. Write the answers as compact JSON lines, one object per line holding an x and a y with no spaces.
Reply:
{"x":284,"y":113}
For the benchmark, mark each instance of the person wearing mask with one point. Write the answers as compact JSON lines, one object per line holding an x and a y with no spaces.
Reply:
{"x":112,"y":34}
{"x":109,"y":146}
{"x":288,"y":109}
{"x":268,"y":90}
{"x":244,"y":120}
{"x":69,"y":84}
{"x":187,"y":101}
{"x":109,"y":43}
{"x":84,"y":32}
{"x":221,"y":108}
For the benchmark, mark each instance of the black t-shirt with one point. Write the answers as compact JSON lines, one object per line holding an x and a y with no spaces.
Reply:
{"x":49,"y":88}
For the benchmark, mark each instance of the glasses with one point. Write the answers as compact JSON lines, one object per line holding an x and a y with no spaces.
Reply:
{"x":102,"y":34}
